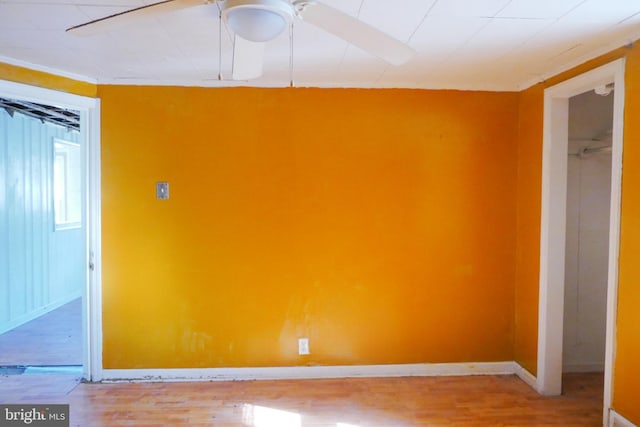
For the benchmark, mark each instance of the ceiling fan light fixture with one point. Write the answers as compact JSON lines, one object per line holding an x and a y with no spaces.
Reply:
{"x":258,"y":20}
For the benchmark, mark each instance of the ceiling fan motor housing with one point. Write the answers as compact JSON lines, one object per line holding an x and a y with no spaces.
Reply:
{"x":258,"y":20}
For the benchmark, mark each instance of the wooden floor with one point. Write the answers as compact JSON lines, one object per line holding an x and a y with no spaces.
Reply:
{"x":52,"y":339}
{"x":417,"y":401}
{"x":55,"y":339}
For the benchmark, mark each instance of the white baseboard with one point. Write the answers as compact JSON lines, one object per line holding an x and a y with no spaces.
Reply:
{"x":310,"y":372}
{"x":526,"y":376}
{"x":617,"y":420}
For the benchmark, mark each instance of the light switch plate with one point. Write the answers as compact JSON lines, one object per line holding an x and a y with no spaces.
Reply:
{"x":162,"y":190}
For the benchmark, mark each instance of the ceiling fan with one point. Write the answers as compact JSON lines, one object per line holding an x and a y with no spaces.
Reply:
{"x":256,"y":22}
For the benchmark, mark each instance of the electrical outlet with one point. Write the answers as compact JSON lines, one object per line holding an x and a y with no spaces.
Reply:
{"x":303,"y":346}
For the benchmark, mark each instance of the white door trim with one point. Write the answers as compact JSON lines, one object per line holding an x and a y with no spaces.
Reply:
{"x":553,"y":224}
{"x":90,"y":133}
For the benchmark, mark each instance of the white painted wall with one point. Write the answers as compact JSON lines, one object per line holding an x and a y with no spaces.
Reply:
{"x":587,"y":245}
{"x":40,"y":268}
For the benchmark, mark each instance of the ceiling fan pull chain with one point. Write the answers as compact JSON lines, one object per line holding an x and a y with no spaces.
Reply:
{"x":291,"y":83}
{"x":219,"y":42}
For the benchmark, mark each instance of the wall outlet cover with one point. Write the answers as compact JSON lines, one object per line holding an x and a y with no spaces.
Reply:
{"x":303,"y":346}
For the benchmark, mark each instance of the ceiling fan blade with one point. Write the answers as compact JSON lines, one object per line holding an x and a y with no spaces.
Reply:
{"x":132,"y":16}
{"x":248,"y":58}
{"x":354,"y":31}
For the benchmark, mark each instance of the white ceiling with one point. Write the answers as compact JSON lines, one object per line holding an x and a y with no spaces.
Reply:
{"x":460,"y":44}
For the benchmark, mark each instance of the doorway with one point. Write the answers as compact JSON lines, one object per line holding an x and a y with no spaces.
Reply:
{"x":42,"y":229}
{"x":587,"y":231}
{"x":554,"y":223}
{"x":88,"y":114}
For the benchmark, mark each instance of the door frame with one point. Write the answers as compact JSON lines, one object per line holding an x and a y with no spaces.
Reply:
{"x":90,"y":136}
{"x":553,"y":225}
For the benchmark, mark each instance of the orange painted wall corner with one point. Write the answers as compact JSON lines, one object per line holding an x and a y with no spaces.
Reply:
{"x":626,"y":387}
{"x":530,"y":117}
{"x":626,"y":381}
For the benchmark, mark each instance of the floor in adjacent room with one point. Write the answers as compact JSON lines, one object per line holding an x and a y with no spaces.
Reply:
{"x":361,"y":402}
{"x":53,"y":339}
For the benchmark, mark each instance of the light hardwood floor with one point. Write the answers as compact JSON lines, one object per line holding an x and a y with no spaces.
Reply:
{"x":367,"y":402}
{"x":437,"y":401}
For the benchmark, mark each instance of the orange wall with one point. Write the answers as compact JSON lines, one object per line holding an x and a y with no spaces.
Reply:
{"x":530,"y":119}
{"x":378,"y":223}
{"x":381,"y":224}
{"x":626,"y":370}
{"x":23,"y":75}
{"x":626,"y":394}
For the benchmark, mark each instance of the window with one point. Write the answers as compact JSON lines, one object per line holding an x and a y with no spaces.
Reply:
{"x":67,"y":185}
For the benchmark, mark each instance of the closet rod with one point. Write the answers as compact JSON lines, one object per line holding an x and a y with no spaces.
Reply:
{"x":591,"y":150}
